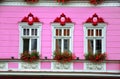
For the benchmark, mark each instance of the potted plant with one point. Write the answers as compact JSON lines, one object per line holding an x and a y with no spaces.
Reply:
{"x":64,"y":57}
{"x":31,"y":1}
{"x":62,"y":1}
{"x":95,"y":2}
{"x":97,"y":57}
{"x":29,"y":57}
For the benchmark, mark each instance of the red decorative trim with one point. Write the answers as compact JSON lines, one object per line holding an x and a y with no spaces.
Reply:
{"x":66,"y":19}
{"x":98,"y":20}
{"x":30,"y":16}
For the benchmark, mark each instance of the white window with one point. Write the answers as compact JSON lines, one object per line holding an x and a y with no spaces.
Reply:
{"x":94,"y":38}
{"x":30,"y":37}
{"x":62,"y":37}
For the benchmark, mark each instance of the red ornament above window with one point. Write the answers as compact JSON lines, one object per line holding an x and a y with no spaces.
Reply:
{"x":95,"y":20}
{"x":63,"y":19}
{"x":30,"y":19}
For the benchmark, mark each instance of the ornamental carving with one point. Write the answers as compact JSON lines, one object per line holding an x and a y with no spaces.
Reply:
{"x":30,"y":19}
{"x":32,"y":66}
{"x":95,"y":66}
{"x":95,"y":19}
{"x":3,"y":65}
{"x":62,"y":19}
{"x":63,"y":66}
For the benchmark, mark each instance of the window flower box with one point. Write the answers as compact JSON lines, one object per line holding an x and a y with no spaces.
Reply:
{"x":63,"y":57}
{"x":31,"y":1}
{"x":97,"y":57}
{"x":95,"y":2}
{"x":30,"y":57}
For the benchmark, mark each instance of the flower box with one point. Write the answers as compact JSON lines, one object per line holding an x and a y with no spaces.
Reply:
{"x":64,"y":57}
{"x":30,"y":57}
{"x":97,"y":57}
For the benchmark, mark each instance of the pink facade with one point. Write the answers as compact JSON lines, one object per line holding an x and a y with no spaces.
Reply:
{"x":11,"y":16}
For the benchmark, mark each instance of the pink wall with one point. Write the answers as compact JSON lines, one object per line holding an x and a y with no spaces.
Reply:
{"x":10,"y":16}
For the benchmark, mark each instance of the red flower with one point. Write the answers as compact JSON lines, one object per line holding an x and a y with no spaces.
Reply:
{"x":62,"y":1}
{"x":29,"y":57}
{"x":63,"y":57}
{"x":96,"y":1}
{"x":98,"y":57}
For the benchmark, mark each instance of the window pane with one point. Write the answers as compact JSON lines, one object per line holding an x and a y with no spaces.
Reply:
{"x":27,"y":31}
{"x":35,"y":31}
{"x":25,"y":45}
{"x":34,"y":44}
{"x":88,"y":32}
{"x":92,"y":32}
{"x":56,"y":32}
{"x":65,"y":32}
{"x":24,"y":31}
{"x":66,"y":44}
{"x":60,"y":32}
{"x":100,"y":32}
{"x":58,"y":44}
{"x":99,"y":45}
{"x":68,"y":32}
{"x":97,"y":32}
{"x":90,"y":46}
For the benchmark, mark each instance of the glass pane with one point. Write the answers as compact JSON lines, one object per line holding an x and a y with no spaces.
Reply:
{"x":90,"y":46}
{"x":92,"y":32}
{"x":58,"y":44}
{"x":32,"y":31}
{"x":60,"y":32}
{"x":35,"y":31}
{"x":56,"y":32}
{"x":65,"y":32}
{"x":25,"y":45}
{"x":100,"y":32}
{"x":88,"y":32}
{"x":68,"y":32}
{"x":97,"y":32}
{"x":66,"y":44}
{"x":24,"y":31}
{"x":27,"y":31}
{"x":34,"y":44}
{"x":99,"y":45}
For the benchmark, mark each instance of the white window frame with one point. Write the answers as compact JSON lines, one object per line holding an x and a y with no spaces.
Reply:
{"x":37,"y":26}
{"x":69,"y":26}
{"x":101,"y":26}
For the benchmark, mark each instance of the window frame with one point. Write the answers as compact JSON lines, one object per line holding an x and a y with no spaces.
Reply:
{"x":24,"y":25}
{"x":69,"y":26}
{"x":103,"y":37}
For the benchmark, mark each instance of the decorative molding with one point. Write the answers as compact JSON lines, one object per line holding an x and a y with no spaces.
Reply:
{"x":89,"y":66}
{"x":29,"y":66}
{"x":95,"y":19}
{"x":62,"y":19}
{"x":30,"y":19}
{"x":73,"y":3}
{"x":62,"y":66}
{"x":70,"y":74}
{"x":3,"y":66}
